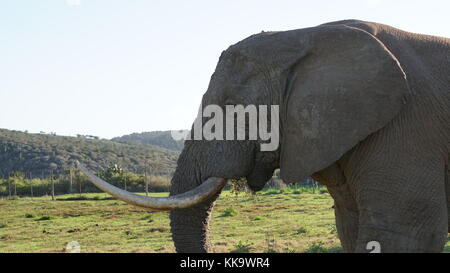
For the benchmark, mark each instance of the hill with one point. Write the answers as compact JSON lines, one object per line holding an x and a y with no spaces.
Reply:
{"x":40,"y":154}
{"x":158,"y":138}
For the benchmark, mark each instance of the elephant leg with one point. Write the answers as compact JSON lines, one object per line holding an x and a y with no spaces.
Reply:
{"x":447,"y":187}
{"x":346,"y":215}
{"x":345,"y":208}
{"x":405,"y":211}
{"x":402,"y":237}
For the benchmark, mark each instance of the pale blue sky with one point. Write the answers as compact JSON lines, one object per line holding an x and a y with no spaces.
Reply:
{"x":109,"y":68}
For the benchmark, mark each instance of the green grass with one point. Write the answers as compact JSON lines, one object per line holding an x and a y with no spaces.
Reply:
{"x":292,"y":220}
{"x":229,"y":212}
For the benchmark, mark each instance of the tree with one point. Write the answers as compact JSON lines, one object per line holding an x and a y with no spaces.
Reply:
{"x":113,"y":170}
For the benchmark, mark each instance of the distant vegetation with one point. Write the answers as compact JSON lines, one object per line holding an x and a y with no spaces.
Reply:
{"x":44,"y":155}
{"x":158,"y":138}
{"x":72,"y":181}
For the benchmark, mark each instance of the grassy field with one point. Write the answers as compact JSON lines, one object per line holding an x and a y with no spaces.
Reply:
{"x":290,"y":220}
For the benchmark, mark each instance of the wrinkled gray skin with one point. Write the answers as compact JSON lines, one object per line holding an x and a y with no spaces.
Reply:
{"x":364,"y":109}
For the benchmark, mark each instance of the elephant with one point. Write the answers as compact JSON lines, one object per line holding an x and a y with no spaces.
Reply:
{"x":363,"y":109}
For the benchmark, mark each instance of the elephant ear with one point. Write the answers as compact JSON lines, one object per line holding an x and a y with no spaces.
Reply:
{"x":345,"y":86}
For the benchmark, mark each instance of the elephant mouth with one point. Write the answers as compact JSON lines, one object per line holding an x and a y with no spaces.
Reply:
{"x":258,"y":178}
{"x":256,"y":181}
{"x":201,"y":193}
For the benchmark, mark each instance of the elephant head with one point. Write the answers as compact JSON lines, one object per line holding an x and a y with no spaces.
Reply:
{"x":334,"y":85}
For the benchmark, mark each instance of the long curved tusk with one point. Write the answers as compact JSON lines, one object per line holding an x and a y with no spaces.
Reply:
{"x":188,"y":199}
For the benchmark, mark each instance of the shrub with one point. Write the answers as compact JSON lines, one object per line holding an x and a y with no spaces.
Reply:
{"x":333,"y":229}
{"x":159,"y":184}
{"x":228,"y":212}
{"x":301,"y":230}
{"x":242,"y":247}
{"x":148,"y":218}
{"x":237,"y":185}
{"x":316,"y":247}
{"x":45,"y":218}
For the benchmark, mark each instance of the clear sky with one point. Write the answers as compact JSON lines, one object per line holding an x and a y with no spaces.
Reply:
{"x":109,"y":68}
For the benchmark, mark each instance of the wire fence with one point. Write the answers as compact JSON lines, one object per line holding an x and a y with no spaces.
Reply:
{"x":48,"y":183}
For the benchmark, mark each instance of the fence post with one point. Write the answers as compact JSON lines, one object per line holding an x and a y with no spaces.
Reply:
{"x":31,"y":183}
{"x":145,"y":178}
{"x":15,"y":187}
{"x":53,"y":185}
{"x":79,"y":184}
{"x":9,"y":187}
{"x":71,"y":180}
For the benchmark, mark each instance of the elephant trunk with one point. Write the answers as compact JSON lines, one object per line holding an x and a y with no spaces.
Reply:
{"x":190,"y":226}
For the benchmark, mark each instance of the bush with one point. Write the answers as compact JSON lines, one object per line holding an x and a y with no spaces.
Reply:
{"x":301,"y":230}
{"x":42,"y":187}
{"x":45,"y":218}
{"x":333,"y":229}
{"x":229,"y":212}
{"x":158,"y":184}
{"x":316,"y":247}
{"x":148,"y":218}
{"x":242,"y":247}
